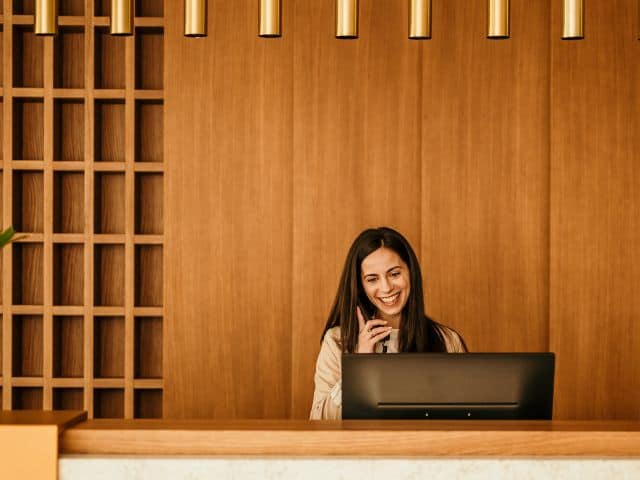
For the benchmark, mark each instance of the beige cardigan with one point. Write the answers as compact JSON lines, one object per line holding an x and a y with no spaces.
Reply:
{"x":327,"y":397}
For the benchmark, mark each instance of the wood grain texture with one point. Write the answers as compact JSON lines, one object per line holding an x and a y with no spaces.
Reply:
{"x":28,"y":201}
{"x":27,"y":346}
{"x":26,"y":398}
{"x":68,"y":398}
{"x":357,"y":157}
{"x":1,"y":47}
{"x":61,"y":419}
{"x":108,"y":347}
{"x":68,"y":274}
{"x":1,"y":114}
{"x":109,"y":60}
{"x":109,"y":131}
{"x":68,"y":341}
{"x":28,"y":129}
{"x":71,"y":7}
{"x":27,"y":58}
{"x":69,"y":58}
{"x":68,"y":202}
{"x":68,"y":132}
{"x":109,"y":275}
{"x":89,"y":212}
{"x":23,"y":7}
{"x":149,"y":131}
{"x":595,"y":214}
{"x":149,"y":204}
{"x":357,"y":438}
{"x":149,"y":8}
{"x":1,"y":345}
{"x":108,"y":403}
{"x":149,"y":58}
{"x":228,"y":222}
{"x":27,"y":273}
{"x":148,"y":275}
{"x":109,"y":203}
{"x":485,"y":176}
{"x":102,"y":7}
{"x":148,"y":403}
{"x":129,"y":263}
{"x":148,"y":341}
{"x":7,"y":205}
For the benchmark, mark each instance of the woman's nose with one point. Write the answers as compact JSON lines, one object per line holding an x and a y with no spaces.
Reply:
{"x":386,"y":286}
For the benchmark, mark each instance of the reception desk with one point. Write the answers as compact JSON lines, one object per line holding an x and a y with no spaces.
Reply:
{"x":297,"y":438}
{"x":318,"y":449}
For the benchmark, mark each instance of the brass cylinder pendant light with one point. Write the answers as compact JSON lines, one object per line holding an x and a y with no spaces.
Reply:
{"x":121,"y":17}
{"x":346,"y":18}
{"x":46,"y":18}
{"x":270,"y":15}
{"x":195,"y":18}
{"x":419,"y":19}
{"x":572,"y":19}
{"x":498,"y":19}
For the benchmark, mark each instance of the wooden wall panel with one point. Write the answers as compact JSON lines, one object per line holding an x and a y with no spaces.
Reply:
{"x":508,"y":164}
{"x":595,"y":214}
{"x":485,"y":175}
{"x":357,"y":156}
{"x":229,"y":223}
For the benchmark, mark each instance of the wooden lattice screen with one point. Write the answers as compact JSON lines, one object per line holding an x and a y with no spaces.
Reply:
{"x":82,"y":177}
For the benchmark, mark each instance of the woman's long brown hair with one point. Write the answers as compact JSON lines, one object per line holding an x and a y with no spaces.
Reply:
{"x":418,"y":332}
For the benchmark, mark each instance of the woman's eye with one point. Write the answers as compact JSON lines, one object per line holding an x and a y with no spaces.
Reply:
{"x":371,"y":280}
{"x":395,"y":274}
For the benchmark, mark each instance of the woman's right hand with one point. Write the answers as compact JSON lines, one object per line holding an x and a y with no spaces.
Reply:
{"x":371,"y":332}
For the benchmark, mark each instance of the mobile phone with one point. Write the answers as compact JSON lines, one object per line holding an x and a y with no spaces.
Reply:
{"x":367,"y":310}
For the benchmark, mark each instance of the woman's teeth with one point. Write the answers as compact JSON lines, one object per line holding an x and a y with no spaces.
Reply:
{"x":390,"y":300}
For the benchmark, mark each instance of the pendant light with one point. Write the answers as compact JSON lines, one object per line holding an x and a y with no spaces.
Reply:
{"x":346,"y":18}
{"x":419,"y":19}
{"x":121,"y":17}
{"x":572,"y":19}
{"x":45,"y":18}
{"x":270,"y":18}
{"x":498,"y":19}
{"x":195,"y":18}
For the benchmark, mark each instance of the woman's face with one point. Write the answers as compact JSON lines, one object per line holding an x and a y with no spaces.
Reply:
{"x":385,"y":279}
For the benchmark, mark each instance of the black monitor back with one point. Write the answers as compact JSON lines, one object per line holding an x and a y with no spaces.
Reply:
{"x":448,"y":386}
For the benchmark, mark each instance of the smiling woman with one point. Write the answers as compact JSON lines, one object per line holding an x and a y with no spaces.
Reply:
{"x":379,"y":308}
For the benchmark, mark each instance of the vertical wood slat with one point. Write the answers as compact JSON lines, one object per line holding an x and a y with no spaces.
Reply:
{"x":595,"y":214}
{"x":228,"y":151}
{"x":356,"y":129}
{"x":89,"y":198}
{"x":7,"y":204}
{"x":129,"y":205}
{"x":485,"y":177}
{"x":47,"y":371}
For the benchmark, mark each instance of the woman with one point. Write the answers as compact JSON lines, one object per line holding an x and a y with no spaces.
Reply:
{"x":379,"y":308}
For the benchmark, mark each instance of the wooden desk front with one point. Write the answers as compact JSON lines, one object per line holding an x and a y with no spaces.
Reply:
{"x":355,"y":438}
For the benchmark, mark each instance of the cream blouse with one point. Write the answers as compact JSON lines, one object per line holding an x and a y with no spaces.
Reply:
{"x":327,"y":397}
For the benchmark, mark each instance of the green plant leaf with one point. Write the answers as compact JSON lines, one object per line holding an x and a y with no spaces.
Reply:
{"x":6,"y":236}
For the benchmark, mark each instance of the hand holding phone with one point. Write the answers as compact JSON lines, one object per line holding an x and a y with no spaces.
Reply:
{"x":371,"y":332}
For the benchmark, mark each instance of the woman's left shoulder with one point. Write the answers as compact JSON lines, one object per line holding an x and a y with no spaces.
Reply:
{"x":453,"y":340}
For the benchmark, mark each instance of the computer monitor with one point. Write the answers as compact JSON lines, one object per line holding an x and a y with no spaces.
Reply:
{"x":448,"y":386}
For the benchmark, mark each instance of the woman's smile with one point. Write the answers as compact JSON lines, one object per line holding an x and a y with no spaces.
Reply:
{"x":391,"y":299}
